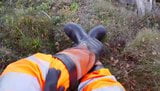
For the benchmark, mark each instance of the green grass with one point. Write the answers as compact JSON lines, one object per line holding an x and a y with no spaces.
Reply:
{"x":74,"y":6}
{"x":27,"y":27}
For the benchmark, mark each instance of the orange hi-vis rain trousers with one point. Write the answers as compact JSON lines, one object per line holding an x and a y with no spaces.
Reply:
{"x":30,"y":74}
{"x":100,"y":80}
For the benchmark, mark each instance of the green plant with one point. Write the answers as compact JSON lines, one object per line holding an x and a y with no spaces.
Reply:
{"x":30,"y":43}
{"x":57,"y":19}
{"x":43,"y":7}
{"x":74,"y":6}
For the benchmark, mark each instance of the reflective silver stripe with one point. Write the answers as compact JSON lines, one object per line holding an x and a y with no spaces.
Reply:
{"x":111,"y":88}
{"x":14,"y":81}
{"x":42,"y":64}
{"x":83,"y":84}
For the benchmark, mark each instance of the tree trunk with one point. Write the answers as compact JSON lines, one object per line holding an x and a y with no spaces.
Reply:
{"x":144,"y":6}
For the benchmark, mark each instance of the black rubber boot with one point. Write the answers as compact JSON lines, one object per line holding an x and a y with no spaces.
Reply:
{"x":98,"y":32}
{"x":76,"y":33}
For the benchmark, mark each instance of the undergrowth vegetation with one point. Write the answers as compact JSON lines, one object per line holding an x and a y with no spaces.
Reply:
{"x":133,"y":43}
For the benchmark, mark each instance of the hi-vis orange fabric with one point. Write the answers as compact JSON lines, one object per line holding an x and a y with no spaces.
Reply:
{"x":29,"y":74}
{"x":100,"y":80}
{"x":82,"y":58}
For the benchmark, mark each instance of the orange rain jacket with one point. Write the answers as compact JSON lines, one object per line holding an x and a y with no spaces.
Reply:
{"x":29,"y":74}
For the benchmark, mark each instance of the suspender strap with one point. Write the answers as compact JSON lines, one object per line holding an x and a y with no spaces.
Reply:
{"x":70,"y":66}
{"x":52,"y":80}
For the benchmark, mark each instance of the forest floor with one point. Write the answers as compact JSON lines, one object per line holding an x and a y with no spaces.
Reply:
{"x":133,"y":43}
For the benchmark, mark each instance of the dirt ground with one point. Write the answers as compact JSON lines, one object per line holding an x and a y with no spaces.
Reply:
{"x":132,"y":42}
